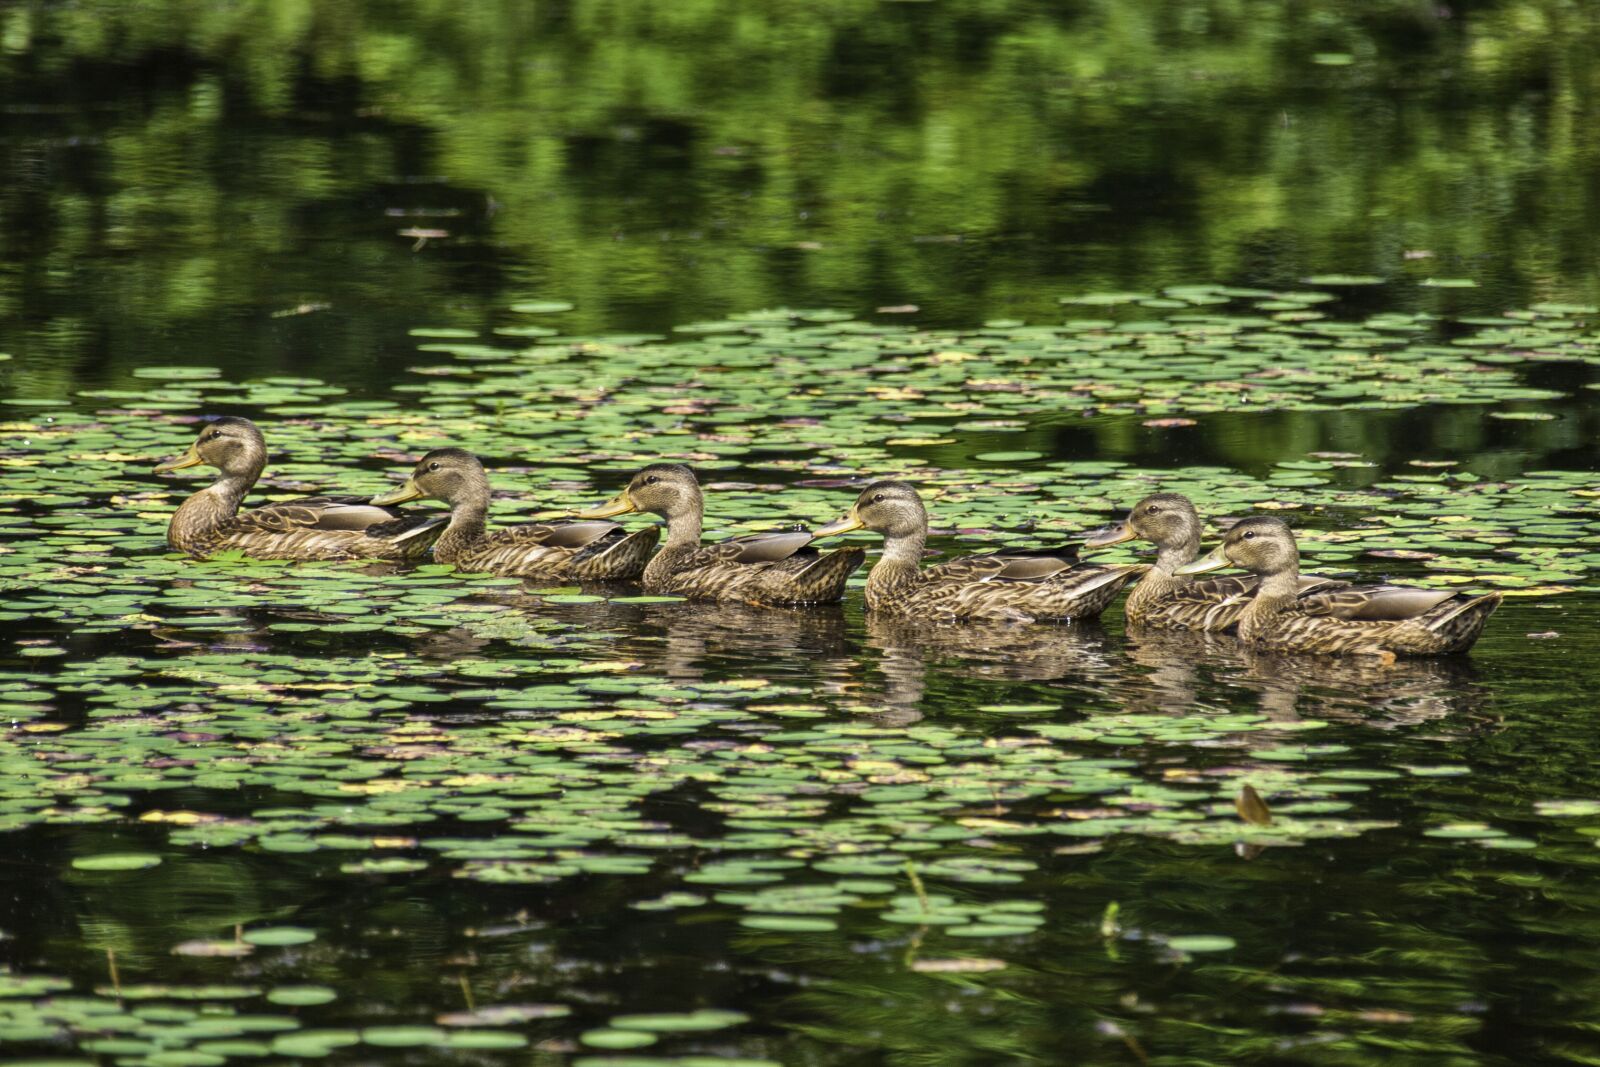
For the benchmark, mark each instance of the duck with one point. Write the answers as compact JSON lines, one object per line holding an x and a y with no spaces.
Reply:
{"x":1377,"y":620}
{"x":313,"y":528}
{"x":1020,"y":585}
{"x":782,"y":567}
{"x":582,"y":551}
{"x":1164,"y":599}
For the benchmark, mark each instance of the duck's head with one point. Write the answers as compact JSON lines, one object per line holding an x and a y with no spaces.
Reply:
{"x":230,"y":444}
{"x":664,"y":489}
{"x":452,"y":475}
{"x":891,"y":508}
{"x":1166,"y":520}
{"x":1259,"y":544}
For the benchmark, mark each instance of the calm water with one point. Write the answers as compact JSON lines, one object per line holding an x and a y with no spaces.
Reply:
{"x":286,"y":191}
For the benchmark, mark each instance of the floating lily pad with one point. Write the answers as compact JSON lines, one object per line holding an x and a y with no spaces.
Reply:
{"x":117,"y":861}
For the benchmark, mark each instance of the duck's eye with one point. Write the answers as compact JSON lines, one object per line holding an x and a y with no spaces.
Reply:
{"x":433,"y":466}
{"x":652,"y":480}
{"x":877,"y":498}
{"x":1249,"y":535}
{"x":215,"y":434}
{"x":1152,"y":510}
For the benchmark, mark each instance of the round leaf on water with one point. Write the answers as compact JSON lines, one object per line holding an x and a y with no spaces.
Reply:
{"x":1201,"y":943}
{"x":403,"y":1036}
{"x":117,"y":861}
{"x":608,"y":1038}
{"x":302,"y":996}
{"x":702,"y":1019}
{"x":788,"y":924}
{"x":279,"y":935}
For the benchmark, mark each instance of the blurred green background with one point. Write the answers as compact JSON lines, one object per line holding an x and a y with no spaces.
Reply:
{"x":288,"y":185}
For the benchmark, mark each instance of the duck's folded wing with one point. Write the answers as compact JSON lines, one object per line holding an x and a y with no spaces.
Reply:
{"x":329,"y":515}
{"x":568,"y":535}
{"x":1373,"y":603}
{"x":1315,"y":583}
{"x":1014,"y":565}
{"x":1226,"y":589}
{"x":759,"y":548}
{"x":316,"y":513}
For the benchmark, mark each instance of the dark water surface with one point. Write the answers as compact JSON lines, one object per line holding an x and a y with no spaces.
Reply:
{"x":458,"y":792}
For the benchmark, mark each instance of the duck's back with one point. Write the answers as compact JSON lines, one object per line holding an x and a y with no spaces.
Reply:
{"x":538,"y":550}
{"x":767,"y":568}
{"x":1027,"y":586}
{"x":320,"y":528}
{"x":1374,"y":620}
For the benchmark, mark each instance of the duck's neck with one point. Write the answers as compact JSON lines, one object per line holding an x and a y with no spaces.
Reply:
{"x":1275,"y":594}
{"x":209,"y":508}
{"x":1160,"y":581}
{"x":683,"y":538}
{"x":1171,"y":556}
{"x":1281,"y":589}
{"x":468,"y":520}
{"x":898,"y":567}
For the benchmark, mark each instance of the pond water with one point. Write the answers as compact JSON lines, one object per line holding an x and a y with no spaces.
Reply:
{"x":1334,"y":263}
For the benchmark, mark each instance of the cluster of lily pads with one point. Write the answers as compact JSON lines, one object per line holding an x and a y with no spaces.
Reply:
{"x":209,"y":1025}
{"x":427,"y":723}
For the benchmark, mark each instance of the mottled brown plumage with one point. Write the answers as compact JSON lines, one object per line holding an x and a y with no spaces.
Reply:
{"x":1022,"y":585}
{"x":582,"y":551}
{"x":1356,"y":620}
{"x":312,"y":528}
{"x":1164,"y":599}
{"x":768,"y":568}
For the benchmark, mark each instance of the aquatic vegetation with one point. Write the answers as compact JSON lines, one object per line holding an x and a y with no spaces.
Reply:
{"x":381,"y":728}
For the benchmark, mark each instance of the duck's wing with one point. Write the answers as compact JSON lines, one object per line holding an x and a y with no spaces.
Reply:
{"x":326,"y":514}
{"x":1315,"y":583}
{"x":758,"y":548}
{"x":1372,"y":603}
{"x":1227,"y":589}
{"x":1009,"y":565}
{"x":571,"y":536}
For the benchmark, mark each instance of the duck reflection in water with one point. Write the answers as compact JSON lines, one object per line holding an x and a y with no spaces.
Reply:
{"x":1077,"y":657}
{"x":694,"y":641}
{"x":1182,"y":669}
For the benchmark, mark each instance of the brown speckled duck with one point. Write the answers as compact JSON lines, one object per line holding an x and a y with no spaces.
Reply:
{"x":313,"y":528}
{"x":766,"y":568}
{"x":1165,"y":599}
{"x":1380,"y":620}
{"x":582,"y":551}
{"x":1017,"y":584}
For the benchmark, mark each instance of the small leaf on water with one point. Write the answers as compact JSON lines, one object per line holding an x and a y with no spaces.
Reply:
{"x":1201,"y":943}
{"x":1251,"y":808}
{"x":123,"y":861}
{"x":979,"y":965}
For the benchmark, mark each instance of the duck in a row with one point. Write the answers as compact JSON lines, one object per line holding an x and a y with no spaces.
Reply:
{"x":1275,"y":606}
{"x":315,"y":527}
{"x":768,"y":568}
{"x":785,"y":567}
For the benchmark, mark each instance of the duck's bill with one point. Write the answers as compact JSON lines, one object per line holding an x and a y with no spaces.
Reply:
{"x":407,"y":491}
{"x":190,"y":458}
{"x":1114,"y":534}
{"x":1215,"y":560}
{"x":839,"y":526}
{"x":620,"y":504}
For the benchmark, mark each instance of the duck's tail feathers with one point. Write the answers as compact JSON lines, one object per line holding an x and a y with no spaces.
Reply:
{"x":619,"y":558}
{"x":427,"y":526}
{"x":1461,"y":621}
{"x":823,"y":579}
